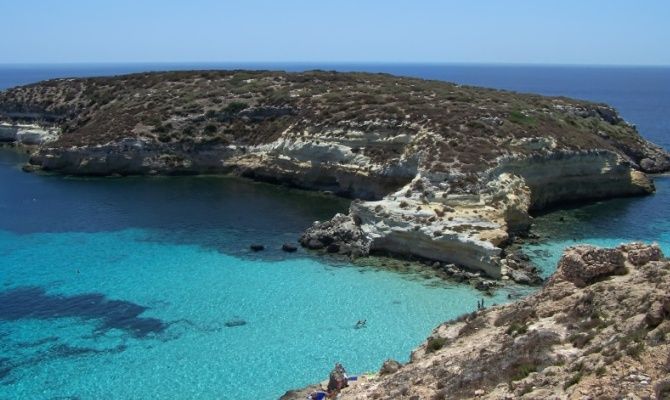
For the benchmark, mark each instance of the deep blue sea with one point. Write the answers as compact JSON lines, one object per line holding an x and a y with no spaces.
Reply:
{"x":137,"y":288}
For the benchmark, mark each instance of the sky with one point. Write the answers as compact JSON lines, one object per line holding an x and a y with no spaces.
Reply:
{"x":585,"y":32}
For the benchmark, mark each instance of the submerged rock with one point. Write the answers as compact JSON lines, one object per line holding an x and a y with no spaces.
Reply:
{"x":257,"y":247}
{"x":235,"y":322}
{"x":289,"y":248}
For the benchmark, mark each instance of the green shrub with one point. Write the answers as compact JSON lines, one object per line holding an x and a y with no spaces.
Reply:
{"x":435,"y":344}
{"x":235,"y":107}
{"x":523,"y":370}
{"x":163,"y":128}
{"x":579,"y":340}
{"x":279,"y":96}
{"x":635,"y":336}
{"x":210,"y":129}
{"x":635,"y":350}
{"x":573,"y":380}
{"x":516,"y":329}
{"x":520,"y":118}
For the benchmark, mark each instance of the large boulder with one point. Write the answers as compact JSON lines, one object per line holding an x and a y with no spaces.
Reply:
{"x":256,"y":247}
{"x":639,"y":253}
{"x":289,"y":247}
{"x":342,"y":234}
{"x":390,"y":366}
{"x":584,"y":265}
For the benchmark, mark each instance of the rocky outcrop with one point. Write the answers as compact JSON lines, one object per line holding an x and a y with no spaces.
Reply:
{"x":586,"y":264}
{"x":598,"y":329}
{"x":448,"y":173}
{"x":425,"y":220}
{"x":341,"y":235}
{"x":30,"y":135}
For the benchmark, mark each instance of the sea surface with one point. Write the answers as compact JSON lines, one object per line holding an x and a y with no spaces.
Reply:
{"x":137,"y":288}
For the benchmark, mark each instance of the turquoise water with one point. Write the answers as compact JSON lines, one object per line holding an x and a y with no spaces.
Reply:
{"x":122,"y":289}
{"x":141,"y":288}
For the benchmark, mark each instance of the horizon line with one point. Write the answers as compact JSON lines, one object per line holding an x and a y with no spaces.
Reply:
{"x":343,"y":63}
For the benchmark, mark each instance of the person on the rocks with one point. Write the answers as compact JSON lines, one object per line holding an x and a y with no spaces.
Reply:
{"x":318,"y":395}
{"x":337,"y":380}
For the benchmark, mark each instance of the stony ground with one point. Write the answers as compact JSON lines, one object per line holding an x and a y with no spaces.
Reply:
{"x":599,"y":329}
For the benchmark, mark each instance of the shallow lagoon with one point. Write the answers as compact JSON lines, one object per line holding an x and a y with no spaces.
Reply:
{"x":134,"y":281}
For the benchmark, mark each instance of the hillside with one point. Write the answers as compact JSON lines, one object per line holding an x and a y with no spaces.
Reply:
{"x":462,"y":128}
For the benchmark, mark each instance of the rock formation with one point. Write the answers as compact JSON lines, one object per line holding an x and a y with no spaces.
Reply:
{"x":598,"y":329}
{"x":25,"y":134}
{"x":444,"y":172}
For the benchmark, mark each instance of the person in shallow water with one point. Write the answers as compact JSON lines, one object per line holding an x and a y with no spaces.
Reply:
{"x":361,"y":323}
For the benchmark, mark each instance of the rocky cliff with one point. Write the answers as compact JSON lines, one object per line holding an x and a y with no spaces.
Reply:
{"x":26,"y":134}
{"x":599,"y":329}
{"x":446,"y":172}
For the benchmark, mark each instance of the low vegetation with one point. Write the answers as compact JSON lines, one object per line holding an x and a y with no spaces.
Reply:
{"x":470,"y":127}
{"x":435,"y":344}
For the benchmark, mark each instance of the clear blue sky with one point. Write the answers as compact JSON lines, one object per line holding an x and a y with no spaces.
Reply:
{"x":501,"y":31}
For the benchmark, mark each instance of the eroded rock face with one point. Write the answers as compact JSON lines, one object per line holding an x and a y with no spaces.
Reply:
{"x":564,"y":176}
{"x":604,"y":338}
{"x":425,"y":219}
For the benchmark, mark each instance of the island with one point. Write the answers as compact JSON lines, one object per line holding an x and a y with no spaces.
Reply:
{"x":438,"y":171}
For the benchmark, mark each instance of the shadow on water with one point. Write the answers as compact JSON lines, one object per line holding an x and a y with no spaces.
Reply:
{"x":35,"y":303}
{"x":221,"y":213}
{"x":634,"y":218}
{"x":57,"y":351}
{"x":25,"y":303}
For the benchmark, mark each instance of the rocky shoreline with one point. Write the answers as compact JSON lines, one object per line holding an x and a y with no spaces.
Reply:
{"x":599,"y":328}
{"x":437,"y":171}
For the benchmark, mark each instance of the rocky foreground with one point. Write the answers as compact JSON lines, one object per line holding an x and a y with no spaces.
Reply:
{"x":599,"y":329}
{"x":443,"y":172}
